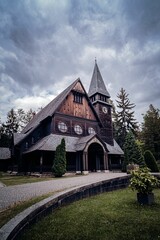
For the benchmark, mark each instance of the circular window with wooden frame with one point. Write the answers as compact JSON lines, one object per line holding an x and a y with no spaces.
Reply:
{"x":78,"y":129}
{"x":62,"y":127}
{"x":91,"y":130}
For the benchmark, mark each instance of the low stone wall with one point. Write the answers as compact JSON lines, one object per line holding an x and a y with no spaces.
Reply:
{"x":17,"y":224}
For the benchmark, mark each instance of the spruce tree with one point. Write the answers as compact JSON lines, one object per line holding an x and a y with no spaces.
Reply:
{"x":150,"y":161}
{"x":132,"y":151}
{"x":124,"y":120}
{"x":59,"y":165}
{"x":150,"y":134}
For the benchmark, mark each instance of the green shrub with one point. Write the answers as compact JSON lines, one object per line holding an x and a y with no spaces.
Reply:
{"x":132,"y":152}
{"x":142,"y":181}
{"x":59,"y":165}
{"x":150,"y":161}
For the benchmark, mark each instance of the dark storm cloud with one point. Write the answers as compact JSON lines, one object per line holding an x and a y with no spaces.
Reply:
{"x":143,"y":20}
{"x":45,"y":45}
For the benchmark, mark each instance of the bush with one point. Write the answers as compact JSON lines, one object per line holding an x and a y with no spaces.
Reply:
{"x":150,"y":161}
{"x":142,"y":181}
{"x":59,"y":165}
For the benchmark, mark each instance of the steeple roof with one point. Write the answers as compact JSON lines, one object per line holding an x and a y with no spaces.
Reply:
{"x":97,"y":84}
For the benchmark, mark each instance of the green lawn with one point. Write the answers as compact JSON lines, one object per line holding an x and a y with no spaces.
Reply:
{"x":11,"y":212}
{"x":10,"y":180}
{"x":15,"y":180}
{"x":109,"y":216}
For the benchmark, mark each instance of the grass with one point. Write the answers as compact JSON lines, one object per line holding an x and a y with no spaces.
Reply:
{"x":10,"y":180}
{"x":11,"y":212}
{"x":115,"y":215}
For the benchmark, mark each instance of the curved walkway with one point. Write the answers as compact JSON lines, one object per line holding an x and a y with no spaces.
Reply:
{"x":14,"y":194}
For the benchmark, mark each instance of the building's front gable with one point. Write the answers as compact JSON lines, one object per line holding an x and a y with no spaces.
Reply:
{"x":77,"y":104}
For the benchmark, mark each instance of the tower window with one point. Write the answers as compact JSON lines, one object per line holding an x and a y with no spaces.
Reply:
{"x":102,"y":98}
{"x":93,"y":98}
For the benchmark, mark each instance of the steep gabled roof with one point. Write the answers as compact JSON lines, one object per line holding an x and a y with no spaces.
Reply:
{"x":49,"y":109}
{"x":97,"y":84}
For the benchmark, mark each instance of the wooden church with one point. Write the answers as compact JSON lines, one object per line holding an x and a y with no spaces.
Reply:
{"x":83,"y":120}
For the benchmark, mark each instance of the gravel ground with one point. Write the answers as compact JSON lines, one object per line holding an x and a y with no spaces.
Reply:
{"x":14,"y":194}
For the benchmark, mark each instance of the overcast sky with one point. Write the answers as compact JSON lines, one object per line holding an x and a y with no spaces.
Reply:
{"x":47,"y":44}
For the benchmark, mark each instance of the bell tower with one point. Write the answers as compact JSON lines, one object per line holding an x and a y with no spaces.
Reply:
{"x":100,"y":99}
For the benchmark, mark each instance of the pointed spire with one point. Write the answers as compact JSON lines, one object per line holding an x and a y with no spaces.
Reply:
{"x":97,"y":84}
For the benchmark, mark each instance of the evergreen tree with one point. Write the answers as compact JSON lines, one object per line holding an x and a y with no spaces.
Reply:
{"x":11,"y":125}
{"x":124,"y":118}
{"x":132,"y":151}
{"x":16,"y":121}
{"x":151,"y":131}
{"x":59,"y":165}
{"x":150,"y":161}
{"x":5,"y":141}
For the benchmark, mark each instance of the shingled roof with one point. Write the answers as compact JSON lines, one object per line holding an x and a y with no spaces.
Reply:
{"x":49,"y":109}
{"x":73,"y":144}
{"x":97,"y":84}
{"x":50,"y":142}
{"x":115,"y":149}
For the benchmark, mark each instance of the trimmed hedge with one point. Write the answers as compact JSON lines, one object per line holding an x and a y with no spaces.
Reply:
{"x":150,"y":161}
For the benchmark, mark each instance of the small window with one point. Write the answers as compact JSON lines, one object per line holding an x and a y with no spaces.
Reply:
{"x":78,"y":129}
{"x":62,"y":127}
{"x":78,"y":98}
{"x":91,"y":130}
{"x":26,"y":145}
{"x":33,"y":140}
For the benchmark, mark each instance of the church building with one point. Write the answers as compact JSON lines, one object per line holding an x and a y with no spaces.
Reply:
{"x":83,"y":119}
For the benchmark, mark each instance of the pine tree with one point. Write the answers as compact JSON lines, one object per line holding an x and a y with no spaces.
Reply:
{"x":151,"y":131}
{"x":124,"y":120}
{"x":59,"y":165}
{"x":11,"y":125}
{"x":132,"y":151}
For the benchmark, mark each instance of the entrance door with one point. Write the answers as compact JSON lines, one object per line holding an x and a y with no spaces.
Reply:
{"x":95,"y":157}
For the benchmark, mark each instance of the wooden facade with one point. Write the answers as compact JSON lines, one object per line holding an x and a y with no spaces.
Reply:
{"x":83,"y":120}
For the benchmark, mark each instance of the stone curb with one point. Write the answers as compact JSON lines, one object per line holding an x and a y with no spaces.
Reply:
{"x":21,"y":221}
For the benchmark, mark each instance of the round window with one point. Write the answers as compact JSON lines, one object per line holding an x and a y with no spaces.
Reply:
{"x":91,"y":130}
{"x":78,"y":129}
{"x":62,"y":127}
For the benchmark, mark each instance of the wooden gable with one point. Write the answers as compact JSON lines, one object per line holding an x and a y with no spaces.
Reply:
{"x":77,"y":106}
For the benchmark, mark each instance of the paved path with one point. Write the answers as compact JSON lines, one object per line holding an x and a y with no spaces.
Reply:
{"x":14,"y":194}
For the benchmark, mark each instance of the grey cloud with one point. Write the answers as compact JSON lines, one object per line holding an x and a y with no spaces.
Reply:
{"x":45,"y":41}
{"x":143,"y":20}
